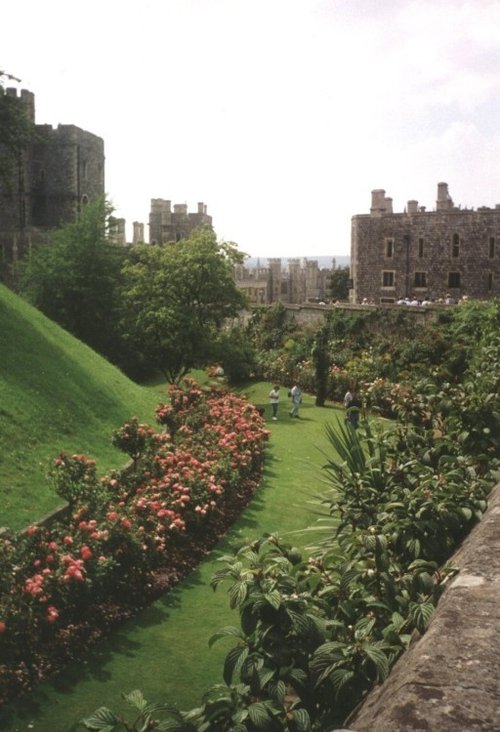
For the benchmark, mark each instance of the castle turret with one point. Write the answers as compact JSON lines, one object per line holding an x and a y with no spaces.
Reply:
{"x":444,"y":201}
{"x":380,"y":203}
{"x":26,"y":98}
{"x":138,"y":233}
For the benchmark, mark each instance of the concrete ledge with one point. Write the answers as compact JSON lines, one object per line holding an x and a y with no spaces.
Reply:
{"x":449,"y":679}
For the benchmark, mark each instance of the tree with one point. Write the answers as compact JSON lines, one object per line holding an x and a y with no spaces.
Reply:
{"x":340,"y":283}
{"x":321,"y":359}
{"x":74,"y":278}
{"x":175,"y":299}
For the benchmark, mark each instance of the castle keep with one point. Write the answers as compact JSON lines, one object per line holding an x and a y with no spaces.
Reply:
{"x":61,"y":170}
{"x":425,"y":254}
{"x":166,"y":225}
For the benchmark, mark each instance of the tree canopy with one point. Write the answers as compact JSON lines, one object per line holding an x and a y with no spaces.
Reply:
{"x":175,"y":299}
{"x":74,"y":278}
{"x":340,"y":283}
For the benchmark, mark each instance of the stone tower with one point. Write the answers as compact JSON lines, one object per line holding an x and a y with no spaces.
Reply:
{"x":60,"y":171}
{"x":166,"y":225}
{"x":274,"y":280}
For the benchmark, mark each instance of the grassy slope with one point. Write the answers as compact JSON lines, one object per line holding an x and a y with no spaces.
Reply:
{"x":55,"y":395}
{"x":164,"y":651}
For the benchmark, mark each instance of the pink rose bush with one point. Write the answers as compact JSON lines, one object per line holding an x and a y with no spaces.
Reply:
{"x":125,"y":527}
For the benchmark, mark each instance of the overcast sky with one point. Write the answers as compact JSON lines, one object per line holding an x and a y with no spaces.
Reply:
{"x":280,"y":115}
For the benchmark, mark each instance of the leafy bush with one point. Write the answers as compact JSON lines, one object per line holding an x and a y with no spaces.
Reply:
{"x":57,"y":579}
{"x":317,"y":631}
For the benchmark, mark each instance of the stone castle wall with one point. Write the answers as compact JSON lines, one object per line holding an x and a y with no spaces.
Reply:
{"x":61,"y":170}
{"x":425,"y":254}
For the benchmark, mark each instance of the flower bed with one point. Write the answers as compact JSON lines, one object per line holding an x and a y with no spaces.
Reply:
{"x":128,"y":536}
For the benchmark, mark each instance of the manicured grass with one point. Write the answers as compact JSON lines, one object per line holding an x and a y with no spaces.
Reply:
{"x":56,"y":395}
{"x":164,"y":651}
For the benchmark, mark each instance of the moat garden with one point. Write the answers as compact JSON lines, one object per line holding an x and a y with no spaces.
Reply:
{"x":302,"y":623}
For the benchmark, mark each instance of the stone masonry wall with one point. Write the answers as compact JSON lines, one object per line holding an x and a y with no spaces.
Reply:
{"x":61,"y":170}
{"x":423,"y":250}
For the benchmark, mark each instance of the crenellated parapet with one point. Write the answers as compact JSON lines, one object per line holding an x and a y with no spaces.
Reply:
{"x":169,"y":223}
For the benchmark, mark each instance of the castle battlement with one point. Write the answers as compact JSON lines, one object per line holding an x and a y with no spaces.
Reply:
{"x":26,"y":97}
{"x":167,"y":225}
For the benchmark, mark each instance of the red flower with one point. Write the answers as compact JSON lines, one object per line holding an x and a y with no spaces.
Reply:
{"x":52,"y":614}
{"x":86,"y":552}
{"x":2,"y":626}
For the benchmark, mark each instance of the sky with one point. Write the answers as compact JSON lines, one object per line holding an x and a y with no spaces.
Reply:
{"x":280,"y":115}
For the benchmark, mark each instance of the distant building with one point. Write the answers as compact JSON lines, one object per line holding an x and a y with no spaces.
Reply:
{"x":424,"y":254}
{"x":167,"y":225}
{"x":61,"y":171}
{"x":302,"y":281}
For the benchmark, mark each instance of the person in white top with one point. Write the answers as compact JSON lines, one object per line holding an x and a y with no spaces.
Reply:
{"x":296,"y":395}
{"x":274,"y":398}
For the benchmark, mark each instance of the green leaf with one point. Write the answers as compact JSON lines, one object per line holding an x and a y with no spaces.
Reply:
{"x":234,"y":661}
{"x":102,"y":719}
{"x":378,"y":657}
{"x":264,"y":675}
{"x":302,"y":720}
{"x":420,"y":614}
{"x":274,"y":599}
{"x":339,"y":677}
{"x":364,"y":627}
{"x":280,"y":692}
{"x":237,"y":594}
{"x":228,"y":632}
{"x":136,"y":700}
{"x":259,"y":715}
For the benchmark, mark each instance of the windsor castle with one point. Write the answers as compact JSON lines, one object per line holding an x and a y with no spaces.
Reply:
{"x":418,"y":254}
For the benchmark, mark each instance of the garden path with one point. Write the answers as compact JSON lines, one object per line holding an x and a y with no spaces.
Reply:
{"x":164,"y":651}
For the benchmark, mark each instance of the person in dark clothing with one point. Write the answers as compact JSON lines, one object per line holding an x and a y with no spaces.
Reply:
{"x":352,"y":403}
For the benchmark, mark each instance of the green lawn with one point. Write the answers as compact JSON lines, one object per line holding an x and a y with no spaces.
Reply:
{"x":164,"y":651}
{"x":56,"y":395}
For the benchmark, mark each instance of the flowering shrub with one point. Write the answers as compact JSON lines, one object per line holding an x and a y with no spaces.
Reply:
{"x":134,"y":439}
{"x":52,"y":577}
{"x":74,"y":477}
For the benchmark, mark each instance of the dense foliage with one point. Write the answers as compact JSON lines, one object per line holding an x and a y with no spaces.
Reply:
{"x":148,"y":309}
{"x":64,"y":583}
{"x":318,"y":630}
{"x":74,"y":280}
{"x":175,"y":299}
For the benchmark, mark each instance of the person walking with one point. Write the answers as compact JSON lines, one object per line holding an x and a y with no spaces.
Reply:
{"x":274,"y":398}
{"x":296,"y":395}
{"x":353,"y":405}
